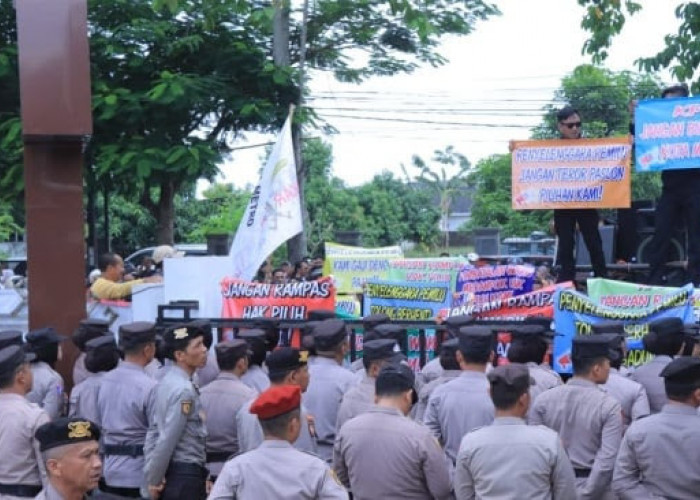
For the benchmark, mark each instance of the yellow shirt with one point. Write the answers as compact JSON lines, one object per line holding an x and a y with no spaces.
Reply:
{"x":106,"y":289}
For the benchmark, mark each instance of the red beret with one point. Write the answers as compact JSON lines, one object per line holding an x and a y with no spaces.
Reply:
{"x":276,"y":401}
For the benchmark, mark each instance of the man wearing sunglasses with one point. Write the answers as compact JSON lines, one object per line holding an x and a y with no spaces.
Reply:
{"x":565,"y":220}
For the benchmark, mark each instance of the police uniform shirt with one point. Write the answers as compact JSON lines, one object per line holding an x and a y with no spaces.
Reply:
{"x":256,"y":379}
{"x":358,"y":399}
{"x":177,"y":433}
{"x":80,"y":373}
{"x":276,"y":470}
{"x":432,"y":370}
{"x":221,"y":400}
{"x":589,"y":423}
{"x":83,"y":398}
{"x":155,"y":370}
{"x":510,"y":459}
{"x":49,"y":493}
{"x":19,"y":421}
{"x":458,"y":407}
{"x":660,"y":456}
{"x":630,"y":394}
{"x":383,"y":454}
{"x":357,"y":366}
{"x":649,"y":376}
{"x":125,"y":403}
{"x":250,"y":434}
{"x":208,"y":372}
{"x":418,"y":410}
{"x":47,"y":389}
{"x":328,"y":382}
{"x":545,"y":379}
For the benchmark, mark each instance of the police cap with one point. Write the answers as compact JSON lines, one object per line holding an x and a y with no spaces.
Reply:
{"x":101,"y":354}
{"x":12,"y":357}
{"x":11,"y":337}
{"x":475,"y":340}
{"x":286,"y":359}
{"x":137,"y":333}
{"x":329,"y":333}
{"x":89,"y":328}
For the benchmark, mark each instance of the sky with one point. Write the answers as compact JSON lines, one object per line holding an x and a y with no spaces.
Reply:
{"x":493,"y":89}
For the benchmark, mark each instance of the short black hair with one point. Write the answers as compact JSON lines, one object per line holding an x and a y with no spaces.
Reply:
{"x":448,"y":360}
{"x":277,"y":426}
{"x":679,"y":88}
{"x":8,"y":378}
{"x":531,"y":351}
{"x":505,"y":396}
{"x":47,"y":353}
{"x":106,"y":259}
{"x":662,"y":345}
{"x":680,"y":392}
{"x":476,"y":356}
{"x":228,"y":362}
{"x":566,"y":112}
{"x":583,"y":366}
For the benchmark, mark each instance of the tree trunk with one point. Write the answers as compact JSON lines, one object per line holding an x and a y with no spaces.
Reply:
{"x":165,"y":213}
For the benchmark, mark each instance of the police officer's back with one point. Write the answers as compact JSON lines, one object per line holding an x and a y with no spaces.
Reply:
{"x":47,"y":389}
{"x":368,"y":325}
{"x":255,"y":377}
{"x":101,"y":356}
{"x":87,"y":330}
{"x":432,"y":368}
{"x":451,"y":370}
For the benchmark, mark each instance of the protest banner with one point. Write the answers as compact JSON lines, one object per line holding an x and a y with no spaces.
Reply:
{"x":348,"y":304}
{"x":351,"y":267}
{"x":583,"y":173}
{"x":435,"y":270}
{"x":485,"y":284}
{"x":574,"y":313}
{"x":632,"y":296}
{"x":667,"y":134}
{"x":404,"y":300}
{"x":242,"y":299}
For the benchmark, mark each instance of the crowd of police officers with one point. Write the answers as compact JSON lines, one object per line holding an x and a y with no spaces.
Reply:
{"x":156,"y":416}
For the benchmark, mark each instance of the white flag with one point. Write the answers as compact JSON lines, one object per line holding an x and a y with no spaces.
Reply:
{"x":274,"y":211}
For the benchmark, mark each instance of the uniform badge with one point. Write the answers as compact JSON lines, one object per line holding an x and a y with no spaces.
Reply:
{"x":303,"y":356}
{"x":186,"y":407}
{"x":79,"y":430}
{"x":180,"y":333}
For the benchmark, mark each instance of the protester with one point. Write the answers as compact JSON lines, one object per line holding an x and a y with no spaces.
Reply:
{"x":109,"y":285}
{"x":510,"y":459}
{"x":47,"y":386}
{"x":160,"y":253}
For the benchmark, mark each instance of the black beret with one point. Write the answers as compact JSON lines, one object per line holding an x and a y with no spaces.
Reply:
{"x":395,"y":377}
{"x":378,"y":349}
{"x":43,"y":337}
{"x":101,"y":354}
{"x":684,"y":370}
{"x":286,"y":359}
{"x":89,"y":328}
{"x":11,"y":337}
{"x":595,"y":346}
{"x":321,"y":314}
{"x":513,"y":375}
{"x":369,"y":322}
{"x":666,"y":326}
{"x":329,"y":333}
{"x":137,"y":333}
{"x":386,"y":331}
{"x":609,"y":327}
{"x":475,"y":339}
{"x":231,"y":351}
{"x":12,"y":357}
{"x":68,"y":430}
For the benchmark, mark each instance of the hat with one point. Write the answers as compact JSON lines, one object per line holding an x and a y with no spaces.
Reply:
{"x":276,"y":401}
{"x":12,"y":357}
{"x":527,"y":332}
{"x":43,"y":337}
{"x":89,"y":328}
{"x":271,"y":327}
{"x":321,"y":314}
{"x":666,"y":326}
{"x":595,"y":346}
{"x":286,"y":359}
{"x":329,"y":333}
{"x":375,"y":350}
{"x":450,"y":346}
{"x":609,"y":327}
{"x":684,"y":370}
{"x":11,"y":337}
{"x":177,"y":337}
{"x":68,"y":430}
{"x":513,"y":375}
{"x":454,"y":323}
{"x":101,"y":354}
{"x":253,"y":336}
{"x":228,"y":353}
{"x":165,"y":252}
{"x":371,"y":321}
{"x":386,"y":331}
{"x":542,"y":321}
{"x":394,"y":378}
{"x":136,"y":333}
{"x":475,"y":340}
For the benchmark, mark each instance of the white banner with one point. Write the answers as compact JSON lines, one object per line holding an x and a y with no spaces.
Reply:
{"x":274,"y":211}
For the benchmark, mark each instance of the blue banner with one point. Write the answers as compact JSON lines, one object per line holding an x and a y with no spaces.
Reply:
{"x":667,"y":134}
{"x":485,"y":284}
{"x":574,"y":313}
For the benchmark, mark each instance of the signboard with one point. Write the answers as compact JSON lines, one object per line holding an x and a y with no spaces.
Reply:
{"x":435,"y":270}
{"x":485,"y":284}
{"x":667,"y":134}
{"x":403,"y":300}
{"x":583,"y":173}
{"x":574,"y":313}
{"x":348,"y":304}
{"x":351,"y":267}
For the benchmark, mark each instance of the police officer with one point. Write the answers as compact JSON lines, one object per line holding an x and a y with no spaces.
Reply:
{"x":22,"y":470}
{"x":368,"y":325}
{"x":383,"y":454}
{"x":329,"y":381}
{"x":463,"y":404}
{"x":588,"y":420}
{"x":88,"y":329}
{"x":47,"y":389}
{"x":360,"y":398}
{"x":222,"y":399}
{"x":275,"y":469}
{"x":175,"y":443}
{"x":211,"y":370}
{"x":125,"y":404}
{"x":70,"y":450}
{"x":531,"y":457}
{"x":451,"y":370}
{"x":432,"y":368}
{"x":255,"y":377}
{"x":664,"y":340}
{"x":659,"y":455}
{"x":287,"y":366}
{"x":101,"y":356}
{"x":11,"y":337}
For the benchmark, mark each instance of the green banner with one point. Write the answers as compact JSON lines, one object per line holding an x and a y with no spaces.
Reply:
{"x":429,"y":270}
{"x":351,"y":267}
